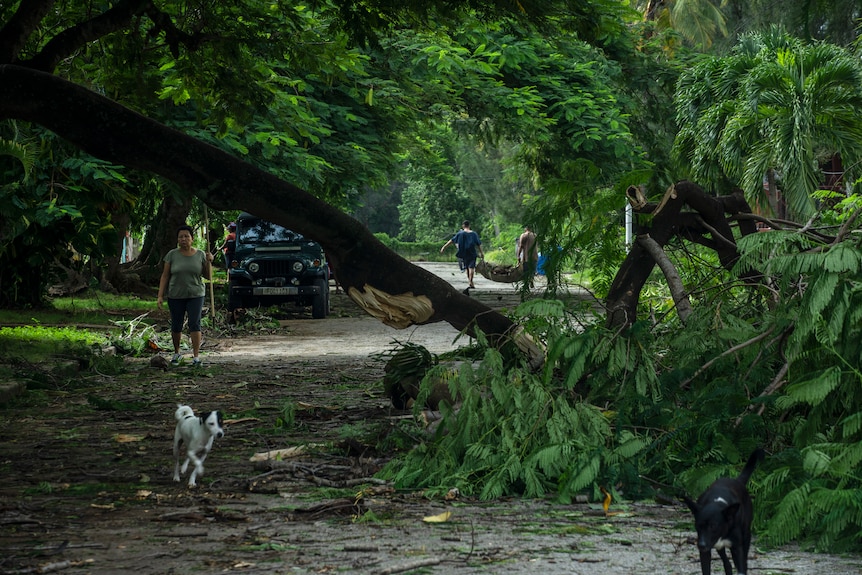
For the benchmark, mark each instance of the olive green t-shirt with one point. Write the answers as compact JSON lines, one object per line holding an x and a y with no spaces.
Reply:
{"x":186,"y":274}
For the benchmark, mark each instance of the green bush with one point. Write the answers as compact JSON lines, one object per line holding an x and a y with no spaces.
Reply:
{"x":416,"y":251}
{"x":502,"y":251}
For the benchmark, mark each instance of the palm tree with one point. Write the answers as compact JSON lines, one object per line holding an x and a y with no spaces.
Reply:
{"x":776,"y":105}
{"x":698,"y":20}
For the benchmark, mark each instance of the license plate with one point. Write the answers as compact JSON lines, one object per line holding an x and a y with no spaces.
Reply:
{"x":276,"y":291}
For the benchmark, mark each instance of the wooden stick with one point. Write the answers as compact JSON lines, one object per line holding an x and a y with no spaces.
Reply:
{"x":408,"y":566}
{"x":207,"y":233}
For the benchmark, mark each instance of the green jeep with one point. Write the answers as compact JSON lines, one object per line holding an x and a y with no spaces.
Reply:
{"x":271,"y":265}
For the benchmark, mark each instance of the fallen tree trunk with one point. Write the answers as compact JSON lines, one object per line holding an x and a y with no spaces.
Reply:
{"x":502,"y":274}
{"x":384,"y":284}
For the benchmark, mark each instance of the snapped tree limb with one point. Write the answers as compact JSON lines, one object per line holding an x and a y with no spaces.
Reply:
{"x":708,"y":226}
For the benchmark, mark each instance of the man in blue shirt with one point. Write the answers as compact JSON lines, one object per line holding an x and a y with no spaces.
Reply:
{"x":468,"y":243}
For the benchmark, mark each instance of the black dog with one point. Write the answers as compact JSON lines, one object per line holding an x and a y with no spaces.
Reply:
{"x":722,"y":517}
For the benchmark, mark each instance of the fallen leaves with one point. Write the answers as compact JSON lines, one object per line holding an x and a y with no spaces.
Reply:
{"x":441,"y":518}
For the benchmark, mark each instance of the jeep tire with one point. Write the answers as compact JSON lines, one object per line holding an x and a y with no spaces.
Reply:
{"x":320,"y":303}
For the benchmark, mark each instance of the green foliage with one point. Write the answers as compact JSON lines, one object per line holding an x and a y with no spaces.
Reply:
{"x":774,"y":364}
{"x":55,"y":358}
{"x":137,"y":337}
{"x":541,"y":110}
{"x":94,"y":301}
{"x":829,"y":21}
{"x":591,"y":239}
{"x":516,"y":432}
{"x":20,"y":151}
{"x":286,"y":420}
{"x":701,"y":22}
{"x":427,"y":251}
{"x":473,"y":113}
{"x":66,"y":201}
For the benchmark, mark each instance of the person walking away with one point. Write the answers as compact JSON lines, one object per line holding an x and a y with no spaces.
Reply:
{"x":528,"y":252}
{"x":229,"y":246}
{"x":182,"y":282}
{"x":468,"y":244}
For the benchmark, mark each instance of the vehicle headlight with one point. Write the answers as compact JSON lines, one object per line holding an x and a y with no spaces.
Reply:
{"x":298,"y":267}
{"x":253,"y":267}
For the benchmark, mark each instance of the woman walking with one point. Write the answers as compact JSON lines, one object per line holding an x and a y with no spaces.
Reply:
{"x":181,"y":280}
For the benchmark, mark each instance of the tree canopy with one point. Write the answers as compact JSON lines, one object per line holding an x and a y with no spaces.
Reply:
{"x":134,"y":111}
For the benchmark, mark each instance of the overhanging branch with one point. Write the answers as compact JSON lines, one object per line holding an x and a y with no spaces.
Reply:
{"x":112,"y":132}
{"x":72,"y":39}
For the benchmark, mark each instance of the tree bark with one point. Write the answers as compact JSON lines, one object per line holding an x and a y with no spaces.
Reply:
{"x":384,"y":284}
{"x":651,"y":13}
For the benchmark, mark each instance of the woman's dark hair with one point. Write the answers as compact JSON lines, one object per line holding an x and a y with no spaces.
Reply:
{"x":186,"y":228}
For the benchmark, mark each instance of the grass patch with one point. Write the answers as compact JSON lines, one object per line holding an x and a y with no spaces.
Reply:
{"x":90,"y":307}
{"x":36,"y":342}
{"x":90,"y":301}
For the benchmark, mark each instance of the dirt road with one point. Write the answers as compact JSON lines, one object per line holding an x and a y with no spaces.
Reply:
{"x":86,"y":477}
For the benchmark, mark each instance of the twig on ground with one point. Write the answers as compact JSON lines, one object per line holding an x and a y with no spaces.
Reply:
{"x":409,"y":566}
{"x":347,"y":482}
{"x":361,"y":548}
{"x":52,"y":567}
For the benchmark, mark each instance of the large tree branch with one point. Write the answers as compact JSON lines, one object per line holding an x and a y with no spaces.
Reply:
{"x":14,"y":34}
{"x":72,"y":39}
{"x":366,"y":268}
{"x":668,"y":221}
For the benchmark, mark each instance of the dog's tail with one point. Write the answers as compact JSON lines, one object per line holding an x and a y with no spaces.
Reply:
{"x":755,"y":458}
{"x":183,"y":411}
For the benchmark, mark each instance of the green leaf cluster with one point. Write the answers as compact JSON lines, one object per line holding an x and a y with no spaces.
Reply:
{"x":519,"y":432}
{"x":65,"y":200}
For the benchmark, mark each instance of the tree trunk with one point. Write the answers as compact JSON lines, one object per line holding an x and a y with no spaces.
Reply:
{"x":707,"y":226}
{"x":651,"y":13}
{"x":384,"y":284}
{"x":161,"y":237}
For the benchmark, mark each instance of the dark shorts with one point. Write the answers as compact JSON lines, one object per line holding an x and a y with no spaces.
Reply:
{"x":180,"y":307}
{"x":468,"y":262}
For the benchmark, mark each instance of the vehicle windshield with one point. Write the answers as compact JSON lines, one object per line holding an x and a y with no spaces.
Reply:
{"x":251,"y":232}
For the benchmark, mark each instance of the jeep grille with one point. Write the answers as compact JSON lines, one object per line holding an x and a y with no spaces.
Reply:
{"x":283,"y":268}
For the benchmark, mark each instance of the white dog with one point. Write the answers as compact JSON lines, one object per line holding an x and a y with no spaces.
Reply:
{"x":197,"y":434}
